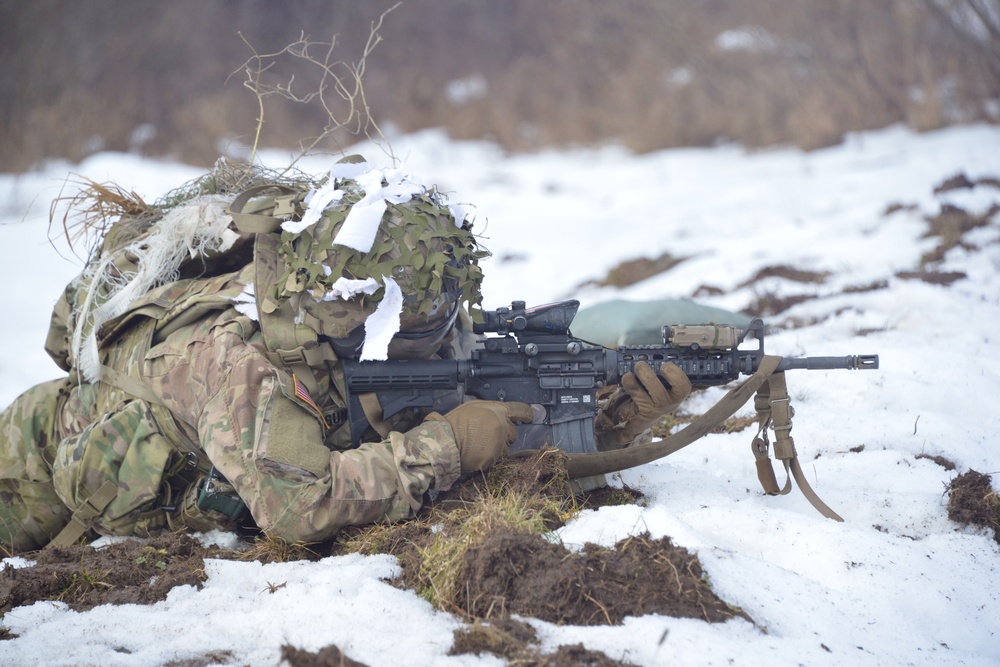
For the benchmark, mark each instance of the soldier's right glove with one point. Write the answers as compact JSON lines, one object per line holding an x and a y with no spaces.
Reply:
{"x":484,"y":429}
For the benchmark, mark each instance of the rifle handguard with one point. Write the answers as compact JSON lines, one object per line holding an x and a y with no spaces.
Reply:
{"x":585,"y":465}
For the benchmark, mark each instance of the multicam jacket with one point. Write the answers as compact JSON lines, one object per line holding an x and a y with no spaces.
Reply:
{"x":180,"y":398}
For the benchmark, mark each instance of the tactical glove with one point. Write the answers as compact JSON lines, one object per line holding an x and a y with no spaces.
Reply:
{"x":639,"y":402}
{"x":484,"y":429}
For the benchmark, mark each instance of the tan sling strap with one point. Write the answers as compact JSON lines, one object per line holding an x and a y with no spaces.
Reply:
{"x":599,"y":463}
{"x":373,"y":412}
{"x":83,"y":517}
{"x":129,"y":385}
{"x":760,"y":446}
{"x":779,"y":413}
{"x":774,"y":408}
{"x":246,"y":217}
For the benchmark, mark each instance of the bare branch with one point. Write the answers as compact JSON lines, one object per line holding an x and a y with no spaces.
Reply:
{"x":946,"y":15}
{"x":339,"y":91}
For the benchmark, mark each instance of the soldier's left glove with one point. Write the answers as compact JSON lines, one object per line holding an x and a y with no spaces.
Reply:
{"x":639,"y":402}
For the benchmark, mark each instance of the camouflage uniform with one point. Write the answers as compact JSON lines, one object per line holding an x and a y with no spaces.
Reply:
{"x":31,"y":431}
{"x":197,"y":393}
{"x":219,"y":401}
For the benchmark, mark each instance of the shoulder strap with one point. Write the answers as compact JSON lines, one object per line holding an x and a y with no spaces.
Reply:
{"x":129,"y":385}
{"x":373,"y":412}
{"x":246,"y":216}
{"x":84,"y":515}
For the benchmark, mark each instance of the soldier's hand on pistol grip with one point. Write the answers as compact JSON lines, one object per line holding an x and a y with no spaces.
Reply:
{"x":484,"y":429}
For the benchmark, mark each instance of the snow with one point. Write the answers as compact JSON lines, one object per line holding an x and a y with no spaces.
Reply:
{"x":746,"y":38}
{"x":896,"y":584}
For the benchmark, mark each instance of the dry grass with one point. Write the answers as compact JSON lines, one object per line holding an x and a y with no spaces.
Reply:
{"x":87,"y":215}
{"x":526,"y":496}
{"x":269,"y":549}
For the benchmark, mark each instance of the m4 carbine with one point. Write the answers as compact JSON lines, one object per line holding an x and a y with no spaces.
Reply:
{"x":534,"y":358}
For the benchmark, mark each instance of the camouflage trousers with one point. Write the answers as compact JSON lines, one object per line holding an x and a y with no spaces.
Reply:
{"x":54,"y":454}
{"x":31,"y":429}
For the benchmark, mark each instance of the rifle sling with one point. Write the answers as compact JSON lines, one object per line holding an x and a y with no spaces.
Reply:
{"x":373,"y":412}
{"x":599,"y":463}
{"x":773,"y":390}
{"x":774,"y":408}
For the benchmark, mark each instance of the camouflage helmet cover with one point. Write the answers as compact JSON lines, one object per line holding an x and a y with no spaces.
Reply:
{"x":431,"y":255}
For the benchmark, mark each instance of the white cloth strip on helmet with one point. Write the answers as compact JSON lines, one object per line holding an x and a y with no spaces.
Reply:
{"x":363,"y":220}
{"x":351,"y":170}
{"x":460,"y":212}
{"x":383,"y":324}
{"x":317,"y":202}
{"x":347,"y":288}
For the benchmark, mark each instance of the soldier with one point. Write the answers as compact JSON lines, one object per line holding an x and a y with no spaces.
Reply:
{"x":217,"y":400}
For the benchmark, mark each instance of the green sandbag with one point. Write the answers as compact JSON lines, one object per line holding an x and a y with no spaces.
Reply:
{"x":621,"y":322}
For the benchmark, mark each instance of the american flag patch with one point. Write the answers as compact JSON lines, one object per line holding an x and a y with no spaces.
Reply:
{"x":303,"y":394}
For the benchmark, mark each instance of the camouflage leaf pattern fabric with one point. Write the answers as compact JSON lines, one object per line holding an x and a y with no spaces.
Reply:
{"x":32,"y":429}
{"x":269,"y":443}
{"x":223,"y":400}
{"x":123,"y":447}
{"x":210,"y":389}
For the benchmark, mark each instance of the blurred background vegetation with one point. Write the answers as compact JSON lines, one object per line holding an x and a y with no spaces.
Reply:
{"x":167,"y":78}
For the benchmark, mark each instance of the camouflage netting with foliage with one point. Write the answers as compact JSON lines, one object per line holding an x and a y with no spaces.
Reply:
{"x":419,"y":244}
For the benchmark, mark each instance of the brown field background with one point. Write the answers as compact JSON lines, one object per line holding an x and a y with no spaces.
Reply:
{"x":166,"y":78}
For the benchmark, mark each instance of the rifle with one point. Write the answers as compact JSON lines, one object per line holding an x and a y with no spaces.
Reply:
{"x":535,"y":359}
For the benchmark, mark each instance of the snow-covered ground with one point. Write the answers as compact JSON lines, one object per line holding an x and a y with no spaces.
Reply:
{"x":896,"y":584}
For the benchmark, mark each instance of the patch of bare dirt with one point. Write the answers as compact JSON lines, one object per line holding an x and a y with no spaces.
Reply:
{"x":787,"y":273}
{"x":129,"y":572}
{"x":636,"y":270}
{"x":950,"y":226}
{"x":708,"y":290}
{"x":510,"y":639}
{"x":940,"y":460}
{"x":895,"y":207}
{"x":517,"y":573}
{"x":869,"y":287}
{"x":330,"y":656}
{"x":962,"y":182}
{"x":933,"y":277}
{"x":210,"y":658}
{"x":575,"y":656}
{"x":505,"y":637}
{"x":957,"y":182}
{"x":611,"y":496}
{"x":514,"y":641}
{"x":972,"y":500}
{"x":768,"y":304}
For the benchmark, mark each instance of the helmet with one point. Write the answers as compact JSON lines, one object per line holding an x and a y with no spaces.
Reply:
{"x":419,"y":248}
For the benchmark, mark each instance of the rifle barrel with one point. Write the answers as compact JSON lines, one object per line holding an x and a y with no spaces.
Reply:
{"x":850,"y":362}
